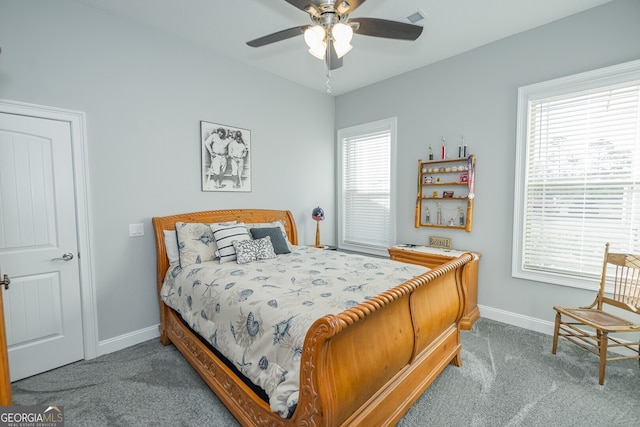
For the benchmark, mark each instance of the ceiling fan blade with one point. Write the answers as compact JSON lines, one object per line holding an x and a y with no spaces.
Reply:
{"x":333,"y":61}
{"x":276,"y":37}
{"x":387,"y":29}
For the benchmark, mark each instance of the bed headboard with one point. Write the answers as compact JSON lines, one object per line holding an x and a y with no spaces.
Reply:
{"x":241,"y":215}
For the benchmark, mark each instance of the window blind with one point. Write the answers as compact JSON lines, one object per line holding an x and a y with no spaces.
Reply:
{"x":582,"y":185}
{"x":365,"y":187}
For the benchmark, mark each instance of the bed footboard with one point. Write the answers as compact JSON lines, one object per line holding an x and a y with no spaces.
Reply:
{"x":368,"y":365}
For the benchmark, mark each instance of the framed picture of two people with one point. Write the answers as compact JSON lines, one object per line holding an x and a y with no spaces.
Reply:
{"x":226,"y":158}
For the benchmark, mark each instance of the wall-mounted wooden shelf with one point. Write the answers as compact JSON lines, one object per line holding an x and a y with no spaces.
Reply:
{"x":439,"y":203}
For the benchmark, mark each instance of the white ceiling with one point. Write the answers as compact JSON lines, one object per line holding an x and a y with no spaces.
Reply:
{"x":450,"y":27}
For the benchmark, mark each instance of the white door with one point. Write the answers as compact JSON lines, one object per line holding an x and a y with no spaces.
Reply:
{"x":38,"y":245}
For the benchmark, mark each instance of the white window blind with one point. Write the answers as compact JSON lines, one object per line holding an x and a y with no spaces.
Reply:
{"x":365,"y":187}
{"x":581,"y":178}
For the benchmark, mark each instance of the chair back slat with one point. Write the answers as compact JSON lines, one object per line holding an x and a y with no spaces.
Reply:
{"x":625,"y":281}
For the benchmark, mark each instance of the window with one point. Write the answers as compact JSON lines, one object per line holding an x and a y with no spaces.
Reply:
{"x":366,"y":175}
{"x":577,"y":175}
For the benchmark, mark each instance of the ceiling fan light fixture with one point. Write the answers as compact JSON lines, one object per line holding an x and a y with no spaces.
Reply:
{"x":329,"y":36}
{"x":314,"y":37}
{"x":319,"y":51}
{"x":341,"y":48}
{"x":342,"y":33}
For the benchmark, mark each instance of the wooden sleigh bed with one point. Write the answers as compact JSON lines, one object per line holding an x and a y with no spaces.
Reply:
{"x":409,"y":334}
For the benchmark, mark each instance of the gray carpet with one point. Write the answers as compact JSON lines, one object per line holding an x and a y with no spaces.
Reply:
{"x":509,"y":378}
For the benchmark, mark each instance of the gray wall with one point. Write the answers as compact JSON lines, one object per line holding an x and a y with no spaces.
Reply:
{"x":475,"y":94}
{"x":144,"y":95}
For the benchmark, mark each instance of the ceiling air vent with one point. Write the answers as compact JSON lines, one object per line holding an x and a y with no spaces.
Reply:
{"x":416,"y":17}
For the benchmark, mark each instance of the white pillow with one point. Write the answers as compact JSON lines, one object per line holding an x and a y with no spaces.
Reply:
{"x":270,"y":225}
{"x":225,"y":235}
{"x":171,"y":245}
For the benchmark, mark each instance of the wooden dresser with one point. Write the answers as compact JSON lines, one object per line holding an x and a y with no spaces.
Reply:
{"x":432,"y":257}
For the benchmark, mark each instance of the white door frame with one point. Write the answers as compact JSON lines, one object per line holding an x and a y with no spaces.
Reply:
{"x":77,"y":123}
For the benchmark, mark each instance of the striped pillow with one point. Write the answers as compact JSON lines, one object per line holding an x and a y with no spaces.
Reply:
{"x":195,"y":242}
{"x":225,"y":235}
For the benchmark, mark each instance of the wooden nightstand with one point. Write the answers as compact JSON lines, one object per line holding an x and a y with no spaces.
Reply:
{"x":433,"y":257}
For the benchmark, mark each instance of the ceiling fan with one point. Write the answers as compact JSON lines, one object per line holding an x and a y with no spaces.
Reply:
{"x":329,"y":37}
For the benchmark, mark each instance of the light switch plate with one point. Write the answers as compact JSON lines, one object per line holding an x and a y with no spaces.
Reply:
{"x":136,"y":230}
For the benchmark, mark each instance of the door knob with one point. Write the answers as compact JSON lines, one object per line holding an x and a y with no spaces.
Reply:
{"x":66,"y":257}
{"x":5,"y":281}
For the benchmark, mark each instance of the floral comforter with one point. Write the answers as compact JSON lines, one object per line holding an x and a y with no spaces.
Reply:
{"x":257,"y":314}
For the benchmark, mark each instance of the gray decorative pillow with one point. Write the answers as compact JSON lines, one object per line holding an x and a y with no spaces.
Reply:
{"x":225,"y":235}
{"x":278,"y":241}
{"x":253,"y":250}
{"x":196,"y":243}
{"x":278,"y":224}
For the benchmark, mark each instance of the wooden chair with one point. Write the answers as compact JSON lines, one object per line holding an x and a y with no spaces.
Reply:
{"x":624,"y":279}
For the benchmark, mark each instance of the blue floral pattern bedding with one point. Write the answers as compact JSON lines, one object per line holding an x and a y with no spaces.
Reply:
{"x":257,"y":314}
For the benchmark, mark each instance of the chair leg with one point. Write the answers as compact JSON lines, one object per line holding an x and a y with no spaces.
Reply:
{"x":555,"y":334}
{"x":603,"y":354}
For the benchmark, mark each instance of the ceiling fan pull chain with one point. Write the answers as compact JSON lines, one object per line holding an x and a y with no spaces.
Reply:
{"x":328,"y":82}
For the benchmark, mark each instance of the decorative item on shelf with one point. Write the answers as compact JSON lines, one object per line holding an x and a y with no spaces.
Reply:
{"x":439,"y":214}
{"x":451,"y":222}
{"x":440,"y":242}
{"x":471,"y":167}
{"x":447,"y":194}
{"x":427,"y":216}
{"x":462,"y":149}
{"x":464,"y":178}
{"x":430,"y":153}
{"x":443,"y":150}
{"x":434,"y":193}
{"x":318,"y":215}
{"x":461,"y":215}
{"x":428,"y":179}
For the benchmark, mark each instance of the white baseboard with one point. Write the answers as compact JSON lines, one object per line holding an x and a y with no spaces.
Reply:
{"x":515,"y":319}
{"x":127,"y":340}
